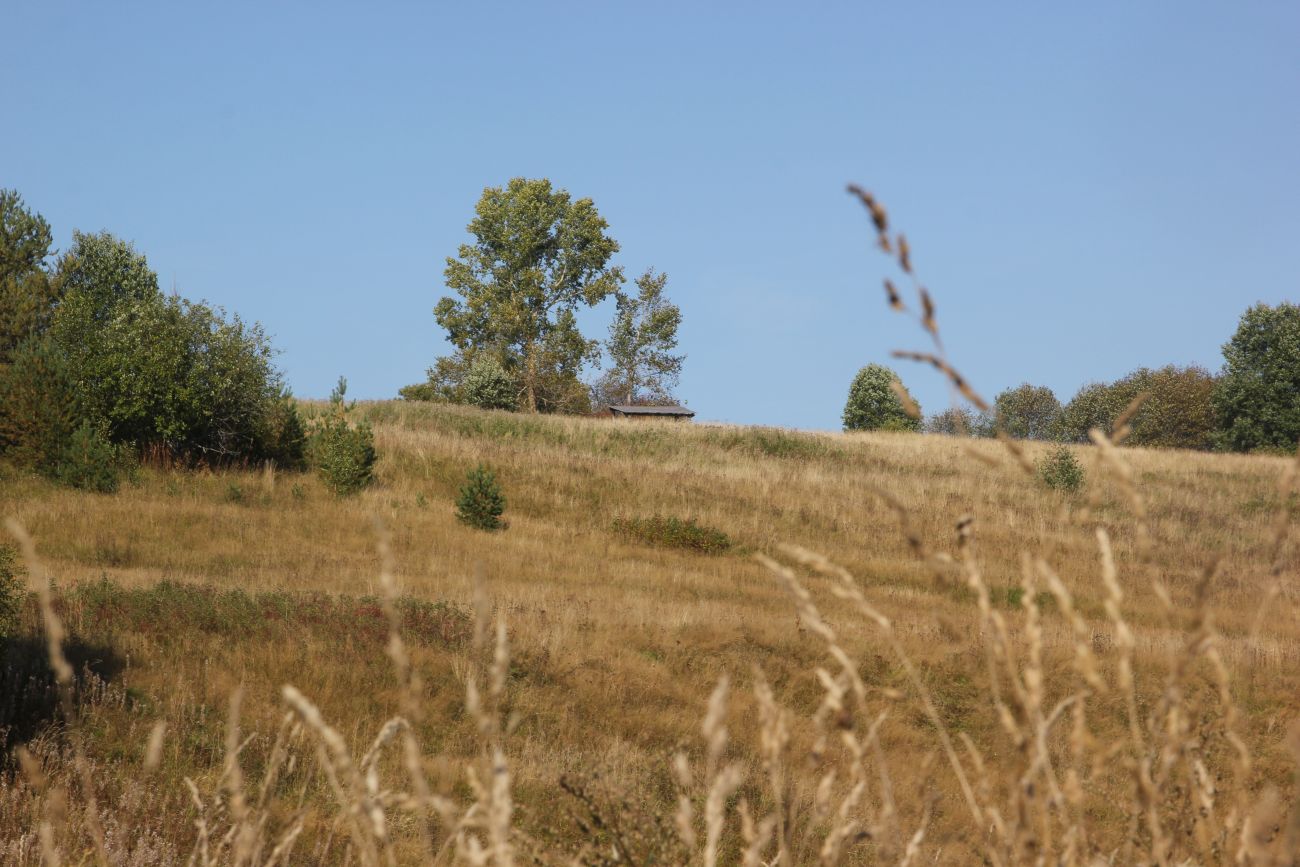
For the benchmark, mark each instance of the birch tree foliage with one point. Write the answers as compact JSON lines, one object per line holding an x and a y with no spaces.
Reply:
{"x":641,"y":341}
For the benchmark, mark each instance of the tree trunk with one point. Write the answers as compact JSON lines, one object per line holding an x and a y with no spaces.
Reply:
{"x":530,"y":378}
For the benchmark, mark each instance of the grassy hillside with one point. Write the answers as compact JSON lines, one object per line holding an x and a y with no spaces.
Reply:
{"x":185,"y":586}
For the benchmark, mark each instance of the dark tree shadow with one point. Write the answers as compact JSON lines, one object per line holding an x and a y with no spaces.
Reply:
{"x":29,"y":694}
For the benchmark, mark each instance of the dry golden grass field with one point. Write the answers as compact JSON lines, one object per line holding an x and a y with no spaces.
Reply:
{"x":960,"y":695}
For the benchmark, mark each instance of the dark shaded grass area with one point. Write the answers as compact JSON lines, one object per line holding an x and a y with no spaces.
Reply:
{"x":102,"y":618}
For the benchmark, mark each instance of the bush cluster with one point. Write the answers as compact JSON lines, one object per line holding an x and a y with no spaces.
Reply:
{"x":672,"y":532}
{"x":98,"y":364}
{"x":1253,"y":404}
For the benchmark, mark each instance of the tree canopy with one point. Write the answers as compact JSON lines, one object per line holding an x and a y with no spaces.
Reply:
{"x":875,"y":404}
{"x":1257,"y":401}
{"x":27,"y":295}
{"x":538,"y":255}
{"x":1029,"y":412}
{"x":642,"y":338}
{"x":1176,"y":411}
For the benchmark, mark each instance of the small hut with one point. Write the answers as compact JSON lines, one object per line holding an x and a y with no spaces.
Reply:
{"x":676,"y":413}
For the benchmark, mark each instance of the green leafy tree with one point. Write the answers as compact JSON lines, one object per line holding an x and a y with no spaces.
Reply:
{"x":161,"y":372}
{"x":1029,"y":412}
{"x":1176,"y":412}
{"x":641,"y":343}
{"x":874,"y":404}
{"x":1095,"y":405}
{"x":101,"y":275}
{"x":1257,"y":400}
{"x":480,"y":502}
{"x":27,"y":294}
{"x":538,"y":255}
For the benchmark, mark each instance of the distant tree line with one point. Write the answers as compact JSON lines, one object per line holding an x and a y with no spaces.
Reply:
{"x":538,"y":257}
{"x":100,"y":369}
{"x":1252,"y":404}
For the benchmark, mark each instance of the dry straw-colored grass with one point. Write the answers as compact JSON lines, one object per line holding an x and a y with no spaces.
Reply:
{"x":953,"y":665}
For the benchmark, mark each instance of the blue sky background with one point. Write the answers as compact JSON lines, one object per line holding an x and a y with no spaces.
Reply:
{"x":1087,"y":187}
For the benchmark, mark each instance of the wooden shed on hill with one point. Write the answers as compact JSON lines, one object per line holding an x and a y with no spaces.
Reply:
{"x":676,"y":413}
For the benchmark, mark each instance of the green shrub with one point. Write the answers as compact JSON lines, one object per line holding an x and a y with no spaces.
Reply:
{"x":481,"y":502}
{"x":89,"y":462}
{"x":1060,"y":470}
{"x":234,"y":493}
{"x":671,"y":532}
{"x":11,"y":590}
{"x":342,"y":453}
{"x":424,"y":391}
{"x":488,"y":386}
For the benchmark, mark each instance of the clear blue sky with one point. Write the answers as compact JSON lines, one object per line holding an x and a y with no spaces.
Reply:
{"x":1088,"y":187}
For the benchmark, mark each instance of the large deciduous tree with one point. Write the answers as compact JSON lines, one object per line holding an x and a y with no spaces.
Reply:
{"x":1028,"y":412}
{"x":875,"y":402}
{"x":537,"y":256}
{"x":1258,"y":397}
{"x":642,"y":338}
{"x":1176,"y":411}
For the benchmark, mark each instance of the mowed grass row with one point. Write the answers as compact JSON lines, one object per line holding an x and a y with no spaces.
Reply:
{"x":617,"y":638}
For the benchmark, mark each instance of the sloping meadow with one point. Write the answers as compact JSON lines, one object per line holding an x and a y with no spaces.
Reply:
{"x":933,"y":641}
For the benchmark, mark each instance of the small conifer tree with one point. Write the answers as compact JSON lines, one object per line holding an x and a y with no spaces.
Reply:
{"x":343,"y":453}
{"x":481,"y":502}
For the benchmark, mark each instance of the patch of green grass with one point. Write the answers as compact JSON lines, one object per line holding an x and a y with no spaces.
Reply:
{"x":773,"y":442}
{"x":169,"y":609}
{"x":672,"y":532}
{"x":1014,"y":597}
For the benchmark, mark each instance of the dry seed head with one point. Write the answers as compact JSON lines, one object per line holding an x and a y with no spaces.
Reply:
{"x":904,"y":254}
{"x":957,"y":380}
{"x":927,"y":311}
{"x":891,"y":292}
{"x":909,"y":405}
{"x":1121,"y":426}
{"x":153,"y":751}
{"x":878,"y":216}
{"x":715,"y":807}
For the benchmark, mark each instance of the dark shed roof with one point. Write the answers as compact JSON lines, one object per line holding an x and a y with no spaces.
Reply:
{"x":627,"y":409}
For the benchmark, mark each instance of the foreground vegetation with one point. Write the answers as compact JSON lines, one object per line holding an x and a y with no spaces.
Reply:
{"x":187,"y":589}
